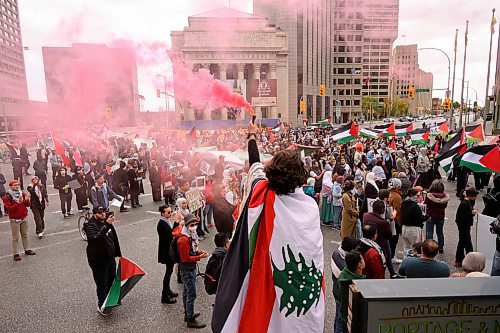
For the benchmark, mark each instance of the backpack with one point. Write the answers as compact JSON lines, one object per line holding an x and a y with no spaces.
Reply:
{"x":212,"y":274}
{"x":173,"y":252}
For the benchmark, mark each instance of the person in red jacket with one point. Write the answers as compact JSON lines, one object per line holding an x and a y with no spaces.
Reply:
{"x":16,"y":202}
{"x":372,"y":253}
{"x":189,"y":254}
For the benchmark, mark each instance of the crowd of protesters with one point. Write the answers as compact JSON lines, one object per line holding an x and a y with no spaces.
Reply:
{"x":374,"y":192}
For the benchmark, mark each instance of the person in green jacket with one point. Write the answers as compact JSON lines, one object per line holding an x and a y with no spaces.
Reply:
{"x":353,"y":271}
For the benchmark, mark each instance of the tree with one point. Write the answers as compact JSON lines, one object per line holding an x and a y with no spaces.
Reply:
{"x":367,"y":102}
{"x":398,"y":107}
{"x":456,"y":105}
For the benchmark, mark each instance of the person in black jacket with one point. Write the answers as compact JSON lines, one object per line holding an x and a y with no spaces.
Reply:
{"x":25,"y":157}
{"x":102,"y":248}
{"x":135,"y":182}
{"x":65,"y":195}
{"x":492,"y":199}
{"x":464,"y":220}
{"x":17,"y":170}
{"x":412,"y":219}
{"x":155,"y":179}
{"x":165,"y":226}
{"x":39,"y":200}
{"x":40,"y":171}
{"x":120,"y":184}
{"x":81,"y":193}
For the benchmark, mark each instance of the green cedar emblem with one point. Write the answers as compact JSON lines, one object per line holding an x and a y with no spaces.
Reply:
{"x":301,"y":284}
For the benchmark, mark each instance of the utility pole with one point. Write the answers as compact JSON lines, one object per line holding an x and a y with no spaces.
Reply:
{"x":463,"y":73}
{"x":452,"y":117}
{"x":5,"y":122}
{"x":486,"y":100}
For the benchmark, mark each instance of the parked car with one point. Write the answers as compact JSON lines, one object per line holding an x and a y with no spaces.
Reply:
{"x":420,"y":118}
{"x":389,"y":120}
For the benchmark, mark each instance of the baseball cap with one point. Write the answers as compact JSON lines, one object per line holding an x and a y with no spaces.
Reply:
{"x":98,"y":209}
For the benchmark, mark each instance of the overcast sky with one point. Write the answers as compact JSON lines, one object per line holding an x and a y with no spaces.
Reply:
{"x":428,"y":23}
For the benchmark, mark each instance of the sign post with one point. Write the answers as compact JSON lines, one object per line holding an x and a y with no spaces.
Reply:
{"x":338,"y":110}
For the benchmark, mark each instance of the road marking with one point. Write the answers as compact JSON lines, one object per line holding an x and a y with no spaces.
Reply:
{"x":53,"y":194}
{"x":335,"y":242}
{"x":151,"y":212}
{"x":76,"y":239}
{"x":144,"y":195}
{"x":57,"y":212}
{"x":5,"y":222}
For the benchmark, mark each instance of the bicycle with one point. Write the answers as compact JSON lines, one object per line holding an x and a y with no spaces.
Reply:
{"x":82,"y":220}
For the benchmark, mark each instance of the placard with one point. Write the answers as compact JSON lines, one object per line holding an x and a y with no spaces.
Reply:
{"x":74,"y":184}
{"x":370,"y":202}
{"x":485,"y":240}
{"x":193,"y":198}
{"x":200,"y":183}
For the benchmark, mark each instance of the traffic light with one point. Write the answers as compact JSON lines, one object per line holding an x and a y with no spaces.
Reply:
{"x":109,"y":112}
{"x":411,"y":92}
{"x":447,"y":104}
{"x":158,"y":93}
{"x":322,"y":89}
{"x":475,"y":106}
{"x":302,"y":106}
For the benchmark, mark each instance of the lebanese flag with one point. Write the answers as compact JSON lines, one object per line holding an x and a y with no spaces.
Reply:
{"x":346,"y":133}
{"x":272,"y":277}
{"x":387,"y":130}
{"x":474,"y":133}
{"x":401,"y":130}
{"x":454,"y":142}
{"x":60,"y":150}
{"x":446,"y":159}
{"x":482,"y":159}
{"x":127,"y":275}
{"x":419,"y":136}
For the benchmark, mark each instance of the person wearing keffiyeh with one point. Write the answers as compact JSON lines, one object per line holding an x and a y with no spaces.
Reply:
{"x":39,"y":200}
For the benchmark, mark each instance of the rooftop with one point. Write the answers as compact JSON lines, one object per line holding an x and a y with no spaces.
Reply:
{"x":225,"y":12}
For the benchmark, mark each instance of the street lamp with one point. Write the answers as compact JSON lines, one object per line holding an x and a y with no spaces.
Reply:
{"x":448,"y":86}
{"x":166,"y":97}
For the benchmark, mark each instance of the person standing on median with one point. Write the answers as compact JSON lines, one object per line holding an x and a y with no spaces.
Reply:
{"x":16,"y":203}
{"x":102,"y":248}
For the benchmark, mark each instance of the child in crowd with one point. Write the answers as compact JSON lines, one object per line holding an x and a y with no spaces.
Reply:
{"x":416,"y":251}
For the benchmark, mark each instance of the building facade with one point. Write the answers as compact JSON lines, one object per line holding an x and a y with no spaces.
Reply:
{"x":95,"y":82}
{"x":309,"y":27}
{"x":241,"y":50}
{"x":13,"y":87}
{"x":406,"y":74}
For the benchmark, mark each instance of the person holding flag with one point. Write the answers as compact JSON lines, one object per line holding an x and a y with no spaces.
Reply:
{"x":272,"y":277}
{"x":102,"y":248}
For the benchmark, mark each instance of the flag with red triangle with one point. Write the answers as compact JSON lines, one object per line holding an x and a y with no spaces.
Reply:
{"x":192,"y":135}
{"x":127,"y":276}
{"x":271,"y":138}
{"x":61,"y":150}
{"x":392,"y":145}
{"x":474,"y":133}
{"x":482,"y":158}
{"x":77,"y":157}
{"x":455,"y":141}
{"x":387,"y":130}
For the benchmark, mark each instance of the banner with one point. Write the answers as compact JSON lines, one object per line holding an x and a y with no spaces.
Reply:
{"x":485,"y":240}
{"x":262,"y":92}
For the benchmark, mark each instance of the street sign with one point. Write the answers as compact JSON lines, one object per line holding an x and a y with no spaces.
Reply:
{"x":337,"y":108}
{"x":422,"y":90}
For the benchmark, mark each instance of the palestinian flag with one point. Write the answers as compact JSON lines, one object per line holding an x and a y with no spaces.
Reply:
{"x":401,"y":130}
{"x":346,"y":133}
{"x":474,"y":133}
{"x":387,"y":130}
{"x":127,"y":275}
{"x":446,"y":159}
{"x":419,"y":136}
{"x":271,"y":138}
{"x":482,"y":159}
{"x":454,"y":142}
{"x":272,"y":279}
{"x":14,"y":151}
{"x":191,"y":136}
{"x":369,"y":134}
{"x":325,"y":122}
{"x":61,"y":150}
{"x":392,"y":144}
{"x":441,"y":127}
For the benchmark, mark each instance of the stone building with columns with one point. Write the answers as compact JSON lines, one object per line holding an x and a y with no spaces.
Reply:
{"x":243,"y":51}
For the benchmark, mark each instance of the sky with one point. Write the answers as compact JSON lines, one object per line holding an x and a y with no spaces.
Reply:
{"x":427,"y":23}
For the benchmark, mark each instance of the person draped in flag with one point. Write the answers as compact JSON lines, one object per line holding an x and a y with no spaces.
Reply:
{"x":272,"y":278}
{"x":102,"y":248}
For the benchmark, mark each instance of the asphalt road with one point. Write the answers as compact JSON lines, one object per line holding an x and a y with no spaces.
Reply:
{"x":54,"y":291}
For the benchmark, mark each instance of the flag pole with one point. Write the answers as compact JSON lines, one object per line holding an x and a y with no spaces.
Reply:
{"x":486,"y":100}
{"x":463,"y":74}
{"x":452,"y":117}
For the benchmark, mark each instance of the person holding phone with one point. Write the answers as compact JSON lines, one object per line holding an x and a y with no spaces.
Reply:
{"x":102,"y":248}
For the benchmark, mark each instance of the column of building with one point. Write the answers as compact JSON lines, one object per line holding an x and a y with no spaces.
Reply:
{"x":256,"y":75}
{"x":223,"y":76}
{"x":273,"y":75}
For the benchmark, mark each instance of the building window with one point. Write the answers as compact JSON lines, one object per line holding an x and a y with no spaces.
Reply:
{"x":341,"y":60}
{"x":341,"y":70}
{"x":358,"y":48}
{"x":341,"y":81}
{"x":357,"y":60}
{"x":357,"y":102}
{"x":357,"y":92}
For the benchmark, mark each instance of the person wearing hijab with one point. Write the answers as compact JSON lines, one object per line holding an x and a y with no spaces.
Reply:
{"x":337,"y":201}
{"x":371,"y":192}
{"x":39,"y":200}
{"x":182,"y":206}
{"x":350,"y":211}
{"x":326,"y":210}
{"x":473,"y":265}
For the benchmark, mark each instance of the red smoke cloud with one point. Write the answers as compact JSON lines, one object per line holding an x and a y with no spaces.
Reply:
{"x":202,"y":90}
